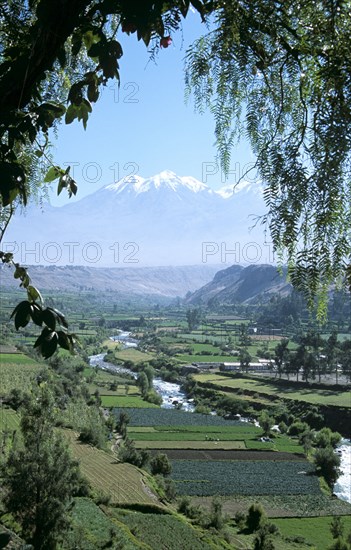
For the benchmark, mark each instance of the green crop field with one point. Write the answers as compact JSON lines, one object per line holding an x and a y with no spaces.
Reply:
{"x":286,"y":391}
{"x":124,"y":483}
{"x":186,"y":358}
{"x":16,"y":359}
{"x":9,"y":419}
{"x":189,"y":444}
{"x":171,"y":417}
{"x":133,"y":355}
{"x":315,"y":531}
{"x":163,"y":532}
{"x":241,"y":437}
{"x":195,"y":436}
{"x":105,"y":390}
{"x":112,"y":401}
{"x":17,"y":371}
{"x":250,"y":477}
{"x":91,"y":528}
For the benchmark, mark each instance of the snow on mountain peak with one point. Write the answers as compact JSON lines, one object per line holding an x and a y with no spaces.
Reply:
{"x":128,"y":182}
{"x":164,"y":180}
{"x":243,"y":186}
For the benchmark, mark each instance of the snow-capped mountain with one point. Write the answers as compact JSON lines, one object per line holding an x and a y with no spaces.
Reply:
{"x":161,"y":220}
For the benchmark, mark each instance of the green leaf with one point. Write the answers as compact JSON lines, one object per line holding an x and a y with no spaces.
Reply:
{"x":49,"y":318}
{"x":35,"y":314}
{"x":53,"y":173}
{"x":93,"y":92}
{"x":47,"y":343}
{"x":60,"y":316}
{"x":71,"y":113}
{"x":22,"y":314}
{"x":64,"y":340}
{"x":34,"y":294}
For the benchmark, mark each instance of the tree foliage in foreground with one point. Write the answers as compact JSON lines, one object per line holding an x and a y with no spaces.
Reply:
{"x":279,"y":74}
{"x":40,"y":478}
{"x":276,"y":72}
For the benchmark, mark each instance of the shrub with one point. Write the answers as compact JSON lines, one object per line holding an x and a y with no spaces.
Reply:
{"x":216,"y":514}
{"x":326,"y":438}
{"x":240,"y":519}
{"x":263,"y":539}
{"x":128,"y":453}
{"x":282,"y":427}
{"x":255,"y":517}
{"x":153,"y":397}
{"x":160,"y":464}
{"x":298,"y":427}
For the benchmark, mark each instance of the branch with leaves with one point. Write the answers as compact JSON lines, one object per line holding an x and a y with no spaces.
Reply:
{"x":55,"y":327}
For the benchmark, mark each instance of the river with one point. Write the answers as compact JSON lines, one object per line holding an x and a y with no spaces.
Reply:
{"x":172,"y":395}
{"x":342,"y":488}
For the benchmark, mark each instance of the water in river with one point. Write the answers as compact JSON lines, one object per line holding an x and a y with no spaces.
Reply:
{"x":342,"y":487}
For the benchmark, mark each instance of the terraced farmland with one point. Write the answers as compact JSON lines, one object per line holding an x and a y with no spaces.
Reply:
{"x":169,"y":417}
{"x":242,"y":435}
{"x":164,"y":532}
{"x":269,"y":388}
{"x":253,"y":477}
{"x":125,"y":483}
{"x":200,"y":445}
{"x":124,"y":401}
{"x":17,"y":371}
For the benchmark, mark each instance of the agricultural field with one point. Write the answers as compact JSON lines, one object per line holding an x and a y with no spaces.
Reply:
{"x":198,"y":445}
{"x":17,"y":371}
{"x":315,"y":531}
{"x":92,"y":529}
{"x":250,"y":477}
{"x":9,"y":419}
{"x":165,"y":531}
{"x":243,"y":437}
{"x":170,"y":417}
{"x":124,"y":483}
{"x":126,"y":401}
{"x":313,"y":396}
{"x":134,"y":355}
{"x":281,"y":506}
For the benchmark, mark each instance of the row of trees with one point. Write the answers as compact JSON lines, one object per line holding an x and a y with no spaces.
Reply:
{"x":314,"y":357}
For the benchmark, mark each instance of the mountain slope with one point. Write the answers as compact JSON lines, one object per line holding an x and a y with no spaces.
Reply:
{"x":242,"y":285}
{"x":163,"y":220}
{"x":157,"y":281}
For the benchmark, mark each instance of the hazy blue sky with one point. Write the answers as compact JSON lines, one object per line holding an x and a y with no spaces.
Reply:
{"x":145,"y":126}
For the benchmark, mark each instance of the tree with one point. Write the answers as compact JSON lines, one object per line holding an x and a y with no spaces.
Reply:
{"x":193,"y":317}
{"x":122,"y":424}
{"x":160,"y":464}
{"x":291,"y":65}
{"x":266,"y":422}
{"x":143,"y":383}
{"x":327,"y":464}
{"x":150,"y":373}
{"x":281,"y":354}
{"x":41,"y":478}
{"x":245,"y":359}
